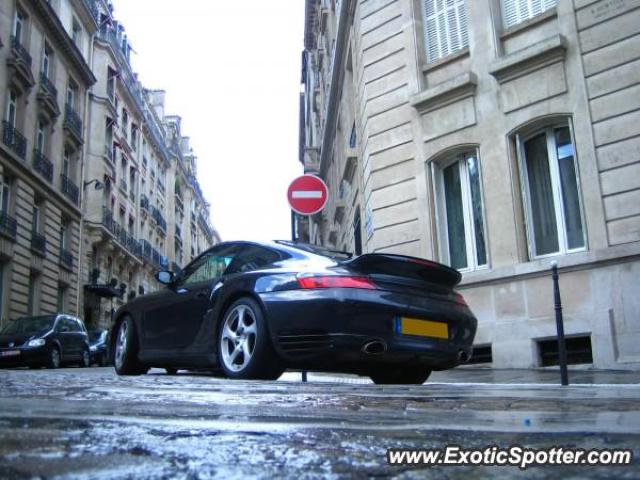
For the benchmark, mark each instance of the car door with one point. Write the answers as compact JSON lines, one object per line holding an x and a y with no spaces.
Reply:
{"x":173,"y":318}
{"x":66,"y":336}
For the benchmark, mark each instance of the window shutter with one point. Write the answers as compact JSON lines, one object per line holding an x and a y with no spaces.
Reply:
{"x":517,"y":11}
{"x":446,"y":28}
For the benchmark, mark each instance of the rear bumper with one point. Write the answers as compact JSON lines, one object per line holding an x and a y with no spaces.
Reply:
{"x":328,"y":328}
{"x":27,"y":357}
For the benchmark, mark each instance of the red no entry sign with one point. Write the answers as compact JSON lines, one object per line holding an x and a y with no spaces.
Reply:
{"x":307,"y":195}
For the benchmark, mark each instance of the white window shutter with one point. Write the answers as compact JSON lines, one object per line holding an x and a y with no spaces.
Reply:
{"x":445,"y":27}
{"x":517,"y":11}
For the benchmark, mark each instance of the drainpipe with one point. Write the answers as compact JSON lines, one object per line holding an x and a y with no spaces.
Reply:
{"x":85,"y":154}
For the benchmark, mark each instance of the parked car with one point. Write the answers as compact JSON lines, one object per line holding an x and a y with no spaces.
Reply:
{"x":98,"y":347}
{"x":44,"y":341}
{"x":255,"y":309}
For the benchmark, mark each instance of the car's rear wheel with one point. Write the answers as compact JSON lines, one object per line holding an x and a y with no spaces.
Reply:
{"x":126,"y":350}
{"x":244,"y":346}
{"x":399,"y":375}
{"x":55,"y":359}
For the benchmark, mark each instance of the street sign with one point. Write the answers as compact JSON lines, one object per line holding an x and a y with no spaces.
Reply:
{"x":307,"y":195}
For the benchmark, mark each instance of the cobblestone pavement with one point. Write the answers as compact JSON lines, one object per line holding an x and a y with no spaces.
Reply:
{"x":89,"y":423}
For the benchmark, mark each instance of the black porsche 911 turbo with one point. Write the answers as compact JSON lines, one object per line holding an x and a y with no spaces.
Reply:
{"x":255,"y":309}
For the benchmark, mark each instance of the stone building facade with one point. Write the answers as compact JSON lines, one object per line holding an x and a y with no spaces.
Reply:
{"x":495,"y":136}
{"x":91,"y":175}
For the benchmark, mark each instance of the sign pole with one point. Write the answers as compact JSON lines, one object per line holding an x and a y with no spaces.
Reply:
{"x":562,"y":346}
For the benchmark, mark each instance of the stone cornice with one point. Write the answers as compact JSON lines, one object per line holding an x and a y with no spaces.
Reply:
{"x":442,"y":94}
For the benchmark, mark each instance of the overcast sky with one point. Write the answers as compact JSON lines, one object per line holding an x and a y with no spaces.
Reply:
{"x":231,"y":70}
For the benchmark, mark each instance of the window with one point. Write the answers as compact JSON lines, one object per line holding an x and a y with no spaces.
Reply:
{"x":33,"y":298}
{"x":72,"y":94}
{"x":252,"y":258}
{"x":445,"y":27}
{"x":209,"y":266}
{"x":12,"y":108}
{"x":518,"y":11}
{"x":18,"y":25}
{"x":35,"y":216}
{"x":61,"y":304}
{"x":357,"y":234}
{"x":5,"y":194}
{"x":460,"y":212}
{"x":578,"y":350}
{"x":552,"y":197}
{"x":76,"y":33}
{"x":40,"y":136}
{"x":66,"y":162}
{"x":46,"y":61}
{"x":64,"y":231}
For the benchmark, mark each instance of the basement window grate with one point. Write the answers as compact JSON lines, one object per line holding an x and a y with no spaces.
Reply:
{"x":578,"y":351}
{"x":481,"y":354}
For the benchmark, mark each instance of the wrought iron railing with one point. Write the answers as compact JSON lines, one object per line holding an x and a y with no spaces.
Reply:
{"x":20,"y":50}
{"x":48,"y":85}
{"x":144,"y":202}
{"x":66,"y":259}
{"x":8,"y":225}
{"x":69,"y":189}
{"x":122,"y":236}
{"x":157,"y":216}
{"x":38,"y":243}
{"x":13,"y":139}
{"x":42,"y":165}
{"x":72,"y":120}
{"x":178,"y":234}
{"x":123,"y":185}
{"x":93,"y":8}
{"x":150,"y":254}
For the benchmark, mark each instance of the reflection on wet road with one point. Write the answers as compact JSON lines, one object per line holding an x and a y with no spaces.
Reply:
{"x":91,"y":423}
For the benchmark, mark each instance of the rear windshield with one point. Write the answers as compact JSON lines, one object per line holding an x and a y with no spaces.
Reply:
{"x":318,"y":250}
{"x":29,"y":324}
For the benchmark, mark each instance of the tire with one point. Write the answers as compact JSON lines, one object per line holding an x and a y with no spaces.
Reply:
{"x":125,"y":350}
{"x":171,"y":371}
{"x":55,"y":358}
{"x":85,"y":360}
{"x":244,"y":345}
{"x":400,"y":375}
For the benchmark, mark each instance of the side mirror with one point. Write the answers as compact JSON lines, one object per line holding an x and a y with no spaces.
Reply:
{"x":165,"y":277}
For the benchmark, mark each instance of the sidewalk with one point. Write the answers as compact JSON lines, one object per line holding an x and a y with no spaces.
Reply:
{"x":493,"y":376}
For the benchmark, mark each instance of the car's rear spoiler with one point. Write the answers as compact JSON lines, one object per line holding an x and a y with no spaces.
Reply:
{"x":405,"y":266}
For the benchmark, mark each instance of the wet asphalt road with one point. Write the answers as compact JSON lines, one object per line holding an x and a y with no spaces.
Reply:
{"x":89,"y":423}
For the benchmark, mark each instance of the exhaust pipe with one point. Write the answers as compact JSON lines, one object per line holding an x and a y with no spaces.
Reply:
{"x":374,"y":347}
{"x":463,"y":357}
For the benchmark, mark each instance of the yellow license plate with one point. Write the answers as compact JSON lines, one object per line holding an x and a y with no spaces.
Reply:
{"x":423,"y":328}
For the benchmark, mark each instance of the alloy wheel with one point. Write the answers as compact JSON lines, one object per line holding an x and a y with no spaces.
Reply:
{"x":239,"y":337}
{"x":55,"y":358}
{"x":121,"y":344}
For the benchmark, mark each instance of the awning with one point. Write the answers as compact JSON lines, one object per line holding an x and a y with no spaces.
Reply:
{"x":103,"y":291}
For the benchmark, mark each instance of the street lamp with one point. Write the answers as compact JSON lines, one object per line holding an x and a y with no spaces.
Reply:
{"x":98,"y":184}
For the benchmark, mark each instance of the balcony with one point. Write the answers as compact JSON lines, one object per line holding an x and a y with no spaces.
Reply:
{"x":48,"y":97}
{"x":13,"y":139}
{"x":19,"y":64}
{"x":122,"y":236}
{"x":93,"y":8}
{"x":73,"y":123}
{"x":144,"y":202}
{"x":8,"y":226}
{"x":42,"y":165}
{"x":66,"y":259}
{"x":38,"y":244}
{"x":123,"y":186}
{"x":69,"y":189}
{"x":150,"y":254}
{"x":157,"y":216}
{"x":178,"y":235}
{"x":160,"y":186}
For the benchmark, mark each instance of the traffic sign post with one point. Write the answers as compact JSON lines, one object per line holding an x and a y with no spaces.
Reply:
{"x":307,"y":195}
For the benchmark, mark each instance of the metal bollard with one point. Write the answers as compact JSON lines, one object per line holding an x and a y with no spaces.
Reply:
{"x":562,"y":346}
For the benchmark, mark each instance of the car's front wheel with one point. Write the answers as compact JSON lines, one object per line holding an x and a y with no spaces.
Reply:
{"x":54,"y":360}
{"x":126,"y":350}
{"x":244,"y":346}
{"x":399,"y":375}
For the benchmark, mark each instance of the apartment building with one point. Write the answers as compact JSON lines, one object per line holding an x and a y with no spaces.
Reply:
{"x":495,"y":136}
{"x":45,"y":72}
{"x":87,"y":162}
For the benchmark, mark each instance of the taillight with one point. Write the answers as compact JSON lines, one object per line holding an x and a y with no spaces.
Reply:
{"x":459,"y":299}
{"x":336,"y":281}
